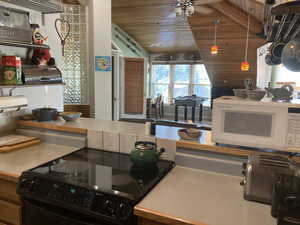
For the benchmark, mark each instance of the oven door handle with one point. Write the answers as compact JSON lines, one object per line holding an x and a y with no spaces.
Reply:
{"x":71,"y":217}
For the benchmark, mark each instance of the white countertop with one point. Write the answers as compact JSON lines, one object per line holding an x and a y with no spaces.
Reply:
{"x":205,"y":198}
{"x":15,"y":162}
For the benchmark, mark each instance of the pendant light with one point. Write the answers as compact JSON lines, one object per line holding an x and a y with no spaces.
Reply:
{"x":245,"y":66}
{"x":215,"y":48}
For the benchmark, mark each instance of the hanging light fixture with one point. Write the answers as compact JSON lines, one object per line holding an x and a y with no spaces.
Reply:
{"x":245,"y":66}
{"x":215,"y":48}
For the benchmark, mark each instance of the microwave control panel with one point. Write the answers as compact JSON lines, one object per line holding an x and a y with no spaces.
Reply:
{"x":293,"y":136}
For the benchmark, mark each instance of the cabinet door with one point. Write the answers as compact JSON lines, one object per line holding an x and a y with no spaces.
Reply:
{"x":8,"y":191}
{"x":134,"y":85}
{"x":10,"y":213}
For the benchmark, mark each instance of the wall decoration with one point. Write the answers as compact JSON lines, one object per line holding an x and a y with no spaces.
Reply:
{"x":103,"y":63}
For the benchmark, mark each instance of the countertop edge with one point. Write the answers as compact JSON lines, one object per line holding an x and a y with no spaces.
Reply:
{"x":9,"y":176}
{"x":52,"y":126}
{"x":215,"y":148}
{"x":161,"y":217}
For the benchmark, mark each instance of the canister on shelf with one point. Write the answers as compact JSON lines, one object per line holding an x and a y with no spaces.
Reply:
{"x":12,"y":70}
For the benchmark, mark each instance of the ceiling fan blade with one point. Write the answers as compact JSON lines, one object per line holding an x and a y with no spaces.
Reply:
{"x":203,"y":10}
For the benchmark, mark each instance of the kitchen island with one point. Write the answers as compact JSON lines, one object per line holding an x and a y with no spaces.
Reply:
{"x":12,"y":164}
{"x":83,"y":125}
{"x":195,"y":197}
{"x":185,"y":196}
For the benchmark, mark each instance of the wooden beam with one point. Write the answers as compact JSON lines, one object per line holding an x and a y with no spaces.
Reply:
{"x":238,"y":15}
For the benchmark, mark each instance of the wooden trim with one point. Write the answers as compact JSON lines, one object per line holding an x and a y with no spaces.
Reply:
{"x":19,"y":146}
{"x":52,"y":126}
{"x":213,"y":148}
{"x":238,"y":16}
{"x":9,"y":176}
{"x":162,"y":217}
{"x":134,"y":59}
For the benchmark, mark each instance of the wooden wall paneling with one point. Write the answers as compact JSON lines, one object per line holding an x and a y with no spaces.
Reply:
{"x":224,"y":68}
{"x":134,"y":85}
{"x":237,"y":15}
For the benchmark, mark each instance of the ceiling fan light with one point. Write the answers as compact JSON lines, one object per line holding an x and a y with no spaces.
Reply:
{"x":214,"y":49}
{"x":191,"y":10}
{"x":245,"y":66}
{"x":178,"y":11}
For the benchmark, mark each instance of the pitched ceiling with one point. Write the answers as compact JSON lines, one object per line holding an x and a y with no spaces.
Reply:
{"x":153,"y":24}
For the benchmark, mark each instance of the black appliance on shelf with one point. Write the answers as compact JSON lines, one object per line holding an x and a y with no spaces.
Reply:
{"x":286,"y":200}
{"x":87,"y":187}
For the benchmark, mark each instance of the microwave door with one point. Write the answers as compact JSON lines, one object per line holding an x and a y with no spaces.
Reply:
{"x":254,"y":124}
{"x":250,"y":127}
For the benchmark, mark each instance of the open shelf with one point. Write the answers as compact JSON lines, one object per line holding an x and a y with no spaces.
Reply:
{"x":23,"y":45}
{"x":29,"y":85}
{"x":43,"y":6}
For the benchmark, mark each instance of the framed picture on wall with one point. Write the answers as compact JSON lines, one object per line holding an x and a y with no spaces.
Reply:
{"x":103,"y":63}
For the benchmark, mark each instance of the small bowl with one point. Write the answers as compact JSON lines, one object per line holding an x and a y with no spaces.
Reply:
{"x":256,"y":95}
{"x":241,"y":93}
{"x":189,"y":134}
{"x":70,"y":116}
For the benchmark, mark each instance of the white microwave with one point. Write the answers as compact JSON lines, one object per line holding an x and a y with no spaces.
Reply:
{"x":264,"y":124}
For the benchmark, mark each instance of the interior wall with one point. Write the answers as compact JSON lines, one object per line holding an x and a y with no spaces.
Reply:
{"x":36,"y":95}
{"x":100,"y":45}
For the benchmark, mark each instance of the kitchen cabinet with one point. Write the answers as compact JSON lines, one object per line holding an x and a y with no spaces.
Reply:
{"x":10,"y":203}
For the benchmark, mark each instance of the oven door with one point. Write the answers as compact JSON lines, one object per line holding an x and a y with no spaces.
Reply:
{"x":37,"y":213}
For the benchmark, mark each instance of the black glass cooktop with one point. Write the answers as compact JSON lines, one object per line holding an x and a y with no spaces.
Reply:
{"x":104,"y":171}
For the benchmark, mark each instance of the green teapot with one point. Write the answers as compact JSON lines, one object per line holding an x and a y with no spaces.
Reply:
{"x":145,"y":154}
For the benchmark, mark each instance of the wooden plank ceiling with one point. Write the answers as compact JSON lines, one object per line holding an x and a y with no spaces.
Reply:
{"x":153,"y":24}
{"x":224,"y":68}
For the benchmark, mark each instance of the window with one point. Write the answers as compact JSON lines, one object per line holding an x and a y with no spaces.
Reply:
{"x":74,"y":65}
{"x":176,"y":80}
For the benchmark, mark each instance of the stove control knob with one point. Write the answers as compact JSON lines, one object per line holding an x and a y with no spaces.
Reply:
{"x":33,"y":186}
{"x":108,"y":206}
{"x":122,"y":211}
{"x":23,"y":183}
{"x":243,"y":182}
{"x":244,"y":165}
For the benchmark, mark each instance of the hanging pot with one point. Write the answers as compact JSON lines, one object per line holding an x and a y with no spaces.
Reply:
{"x":276,"y":50}
{"x":271,"y":60}
{"x":291,"y":55}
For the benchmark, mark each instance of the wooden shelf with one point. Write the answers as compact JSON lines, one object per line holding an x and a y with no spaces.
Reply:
{"x":29,"y":85}
{"x":23,"y":45}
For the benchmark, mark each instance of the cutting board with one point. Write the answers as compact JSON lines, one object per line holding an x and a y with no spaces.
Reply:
{"x":14,"y":142}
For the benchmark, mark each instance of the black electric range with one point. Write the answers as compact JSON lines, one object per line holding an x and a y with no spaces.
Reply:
{"x":88,"y":187}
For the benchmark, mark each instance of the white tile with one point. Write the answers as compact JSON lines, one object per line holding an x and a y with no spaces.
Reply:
{"x":95,"y":139}
{"x":127,"y":142}
{"x":169,"y":146}
{"x":111,"y":141}
{"x":146,"y":138}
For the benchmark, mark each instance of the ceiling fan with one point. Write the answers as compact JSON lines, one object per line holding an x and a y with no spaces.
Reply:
{"x":187,"y":8}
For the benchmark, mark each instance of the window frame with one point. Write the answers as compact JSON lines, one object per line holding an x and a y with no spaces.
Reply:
{"x":191,"y":84}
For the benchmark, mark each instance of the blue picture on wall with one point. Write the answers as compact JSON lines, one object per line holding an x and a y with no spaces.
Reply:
{"x":103,"y":63}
